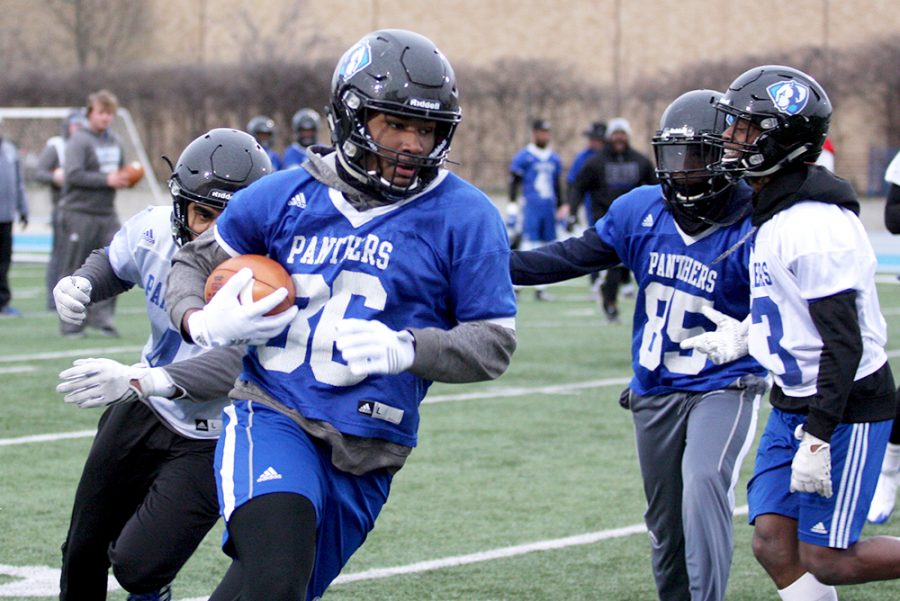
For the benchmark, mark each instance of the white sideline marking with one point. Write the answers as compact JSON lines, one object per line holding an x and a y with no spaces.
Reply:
{"x":444,"y":398}
{"x":523,"y":390}
{"x":84,"y":352}
{"x":501,"y":553}
{"x":18,"y":369}
{"x":41,"y":581}
{"x":8,"y":442}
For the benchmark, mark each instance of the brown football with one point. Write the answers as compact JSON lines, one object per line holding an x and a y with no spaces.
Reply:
{"x":268,"y":276}
{"x":134,"y":171}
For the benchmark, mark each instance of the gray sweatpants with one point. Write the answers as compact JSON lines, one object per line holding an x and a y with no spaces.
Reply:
{"x":690,"y":447}
{"x":81,"y":234}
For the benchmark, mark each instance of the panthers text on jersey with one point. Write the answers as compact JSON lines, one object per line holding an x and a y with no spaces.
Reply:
{"x":141,"y":253}
{"x":677,"y":275}
{"x":435,"y":259}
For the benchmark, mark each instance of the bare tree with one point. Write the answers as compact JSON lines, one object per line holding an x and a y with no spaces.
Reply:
{"x":102,"y":32}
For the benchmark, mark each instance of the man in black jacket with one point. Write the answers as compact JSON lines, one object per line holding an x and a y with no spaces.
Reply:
{"x":607,"y":175}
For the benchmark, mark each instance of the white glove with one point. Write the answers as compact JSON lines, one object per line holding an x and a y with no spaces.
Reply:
{"x":72,"y":295}
{"x":225,"y":321}
{"x":100,"y":382}
{"x":811,"y":467}
{"x":512,"y":215}
{"x":726,"y":343}
{"x":370,"y":347}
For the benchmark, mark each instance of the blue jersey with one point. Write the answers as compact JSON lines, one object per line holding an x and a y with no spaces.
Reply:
{"x":676,"y":276}
{"x":540,"y":169}
{"x":294,"y":155}
{"x":274,"y":157}
{"x":433,"y":260}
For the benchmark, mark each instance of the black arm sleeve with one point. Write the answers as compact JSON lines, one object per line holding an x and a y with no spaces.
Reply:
{"x":562,"y":260}
{"x":892,"y":210}
{"x":99,"y":272}
{"x":515,"y":180}
{"x":837,"y":322}
{"x":557,"y":189}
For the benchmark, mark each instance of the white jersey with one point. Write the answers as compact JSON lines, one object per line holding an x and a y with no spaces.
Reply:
{"x":810,"y":251}
{"x":892,"y":174}
{"x":141,"y":253}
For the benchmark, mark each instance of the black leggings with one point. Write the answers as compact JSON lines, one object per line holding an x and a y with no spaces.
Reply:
{"x":272,"y":542}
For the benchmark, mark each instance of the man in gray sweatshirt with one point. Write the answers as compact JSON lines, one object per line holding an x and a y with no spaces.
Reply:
{"x":87,"y":216}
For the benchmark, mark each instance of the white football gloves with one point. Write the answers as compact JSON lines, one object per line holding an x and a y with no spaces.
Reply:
{"x":726,"y":343}
{"x":370,"y":347}
{"x":225,"y":321}
{"x":72,"y":295}
{"x":100,"y":382}
{"x":811,"y":467}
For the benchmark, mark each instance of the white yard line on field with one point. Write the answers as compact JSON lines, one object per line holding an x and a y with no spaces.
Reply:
{"x":492,"y":554}
{"x":82,"y":352}
{"x":18,"y":369}
{"x":440,"y":398}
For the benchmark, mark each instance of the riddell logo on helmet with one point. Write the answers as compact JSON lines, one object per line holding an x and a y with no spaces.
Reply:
{"x":220,"y":194}
{"x":425,"y":104}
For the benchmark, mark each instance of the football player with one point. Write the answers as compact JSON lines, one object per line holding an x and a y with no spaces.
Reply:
{"x":147,"y":495}
{"x":537,"y":169}
{"x":886,"y":491}
{"x":684,"y":239}
{"x":305,"y":124}
{"x":402,"y":279}
{"x":263,"y":129}
{"x":817,"y":326}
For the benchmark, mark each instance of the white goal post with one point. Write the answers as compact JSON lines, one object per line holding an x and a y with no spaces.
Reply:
{"x":130,"y":135}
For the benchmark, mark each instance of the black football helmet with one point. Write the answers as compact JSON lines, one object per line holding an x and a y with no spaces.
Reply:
{"x":261,"y":125}
{"x":305,"y":124}
{"x":684,"y":153}
{"x":789,"y":109}
{"x":210,"y":170}
{"x":401,"y":73}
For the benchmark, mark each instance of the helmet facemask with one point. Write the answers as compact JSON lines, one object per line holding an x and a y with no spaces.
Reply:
{"x":691,"y":190}
{"x":360,"y":150}
{"x":181,"y":198}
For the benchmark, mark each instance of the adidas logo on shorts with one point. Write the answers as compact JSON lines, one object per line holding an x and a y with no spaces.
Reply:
{"x":819,"y":529}
{"x":269,"y":474}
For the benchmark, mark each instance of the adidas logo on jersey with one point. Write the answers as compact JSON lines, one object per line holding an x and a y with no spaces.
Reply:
{"x":648,"y":220}
{"x":365,"y":407}
{"x":269,"y":474}
{"x":298,"y":200}
{"x":148,"y":237}
{"x":819,"y":529}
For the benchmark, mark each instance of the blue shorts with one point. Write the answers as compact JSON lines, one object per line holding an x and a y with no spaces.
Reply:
{"x":262,"y":451}
{"x":856,"y":454}
{"x":539,"y":223}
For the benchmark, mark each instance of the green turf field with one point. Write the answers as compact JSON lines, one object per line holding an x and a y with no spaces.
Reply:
{"x":526,"y":488}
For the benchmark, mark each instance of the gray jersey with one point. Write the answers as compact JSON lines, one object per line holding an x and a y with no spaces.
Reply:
{"x":141,"y":254}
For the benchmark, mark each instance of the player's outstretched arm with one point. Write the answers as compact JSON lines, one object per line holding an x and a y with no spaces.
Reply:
{"x":94,"y":281}
{"x":101,"y":382}
{"x":562,"y":260}
{"x":208,"y":376}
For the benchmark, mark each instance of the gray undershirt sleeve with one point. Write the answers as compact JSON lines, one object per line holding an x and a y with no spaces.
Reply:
{"x":191,"y":265}
{"x":99,"y":272}
{"x":470,"y":352}
{"x":210,"y":376}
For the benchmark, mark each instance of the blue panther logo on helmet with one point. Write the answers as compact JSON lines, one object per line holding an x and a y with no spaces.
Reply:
{"x":789,"y":97}
{"x":356,"y":60}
